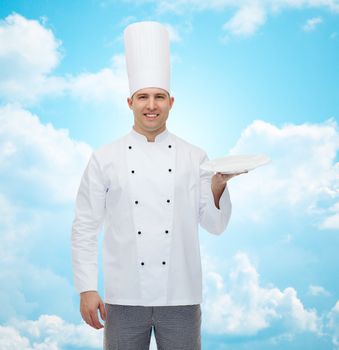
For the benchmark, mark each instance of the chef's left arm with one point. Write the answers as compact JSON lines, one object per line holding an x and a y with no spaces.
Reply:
{"x":215,"y":204}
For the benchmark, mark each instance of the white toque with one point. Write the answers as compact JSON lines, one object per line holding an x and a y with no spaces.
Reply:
{"x":147,"y":50}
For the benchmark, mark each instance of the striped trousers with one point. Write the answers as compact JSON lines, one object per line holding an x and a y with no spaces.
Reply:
{"x":130,"y":327}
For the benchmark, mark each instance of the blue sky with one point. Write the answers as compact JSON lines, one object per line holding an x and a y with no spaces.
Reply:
{"x":247,"y":77}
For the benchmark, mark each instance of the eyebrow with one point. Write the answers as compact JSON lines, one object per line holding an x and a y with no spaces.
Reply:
{"x":146,"y":94}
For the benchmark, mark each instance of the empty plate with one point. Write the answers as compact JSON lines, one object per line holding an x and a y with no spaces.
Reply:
{"x":235,"y":164}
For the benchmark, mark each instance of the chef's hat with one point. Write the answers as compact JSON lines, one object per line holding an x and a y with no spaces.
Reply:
{"x":147,"y":51}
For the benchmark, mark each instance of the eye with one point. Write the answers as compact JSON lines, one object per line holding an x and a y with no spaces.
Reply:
{"x":160,"y":97}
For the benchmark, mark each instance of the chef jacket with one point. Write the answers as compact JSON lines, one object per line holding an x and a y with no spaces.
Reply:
{"x":150,"y":197}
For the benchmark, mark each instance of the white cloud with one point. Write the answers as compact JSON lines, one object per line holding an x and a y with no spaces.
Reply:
{"x":311,"y":24}
{"x":7,"y":210}
{"x":318,"y":291}
{"x":237,"y":305}
{"x":330,"y":5}
{"x":246,"y":20}
{"x":181,"y":6}
{"x":333,"y":325}
{"x":173,"y":33}
{"x":249,"y":15}
{"x":49,"y":332}
{"x":39,"y":158}
{"x":11,"y":339}
{"x":332,"y":221}
{"x":127,"y":20}
{"x":303,"y":173}
{"x":29,"y":40}
{"x":28,"y":54}
{"x":107,"y":85}
{"x":40,"y":171}
{"x":27,"y":287}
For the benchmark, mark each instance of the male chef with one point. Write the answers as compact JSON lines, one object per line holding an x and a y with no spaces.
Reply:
{"x":149,"y":192}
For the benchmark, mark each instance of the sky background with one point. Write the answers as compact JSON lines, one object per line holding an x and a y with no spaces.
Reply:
{"x":248,"y":77}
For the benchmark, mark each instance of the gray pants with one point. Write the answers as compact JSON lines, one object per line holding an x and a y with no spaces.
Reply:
{"x":130,"y":327}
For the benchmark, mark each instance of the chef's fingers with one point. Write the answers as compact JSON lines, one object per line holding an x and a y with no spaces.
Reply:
{"x":226,"y":176}
{"x":231,"y":175}
{"x":95,"y":320}
{"x":91,"y":318}
{"x":102,"y":310}
{"x":241,"y":172}
{"x":87,"y":318}
{"x":236,"y":174}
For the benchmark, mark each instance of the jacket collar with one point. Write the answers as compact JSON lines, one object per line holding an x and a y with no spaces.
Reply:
{"x":142,"y":138}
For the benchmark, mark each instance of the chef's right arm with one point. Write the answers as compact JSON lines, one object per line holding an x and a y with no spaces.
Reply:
{"x":88,"y":220}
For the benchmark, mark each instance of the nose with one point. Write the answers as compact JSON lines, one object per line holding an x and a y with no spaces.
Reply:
{"x":151,"y":103}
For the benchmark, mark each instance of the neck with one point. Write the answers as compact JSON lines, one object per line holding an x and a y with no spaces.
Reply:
{"x":150,"y":135}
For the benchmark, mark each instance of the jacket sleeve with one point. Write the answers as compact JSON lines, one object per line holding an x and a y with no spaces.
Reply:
{"x":89,"y":216}
{"x":211,"y":218}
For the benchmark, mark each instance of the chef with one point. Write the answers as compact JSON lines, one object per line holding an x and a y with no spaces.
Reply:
{"x":149,"y":193}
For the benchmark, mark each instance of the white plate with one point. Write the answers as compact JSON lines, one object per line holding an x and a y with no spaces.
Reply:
{"x":235,"y":164}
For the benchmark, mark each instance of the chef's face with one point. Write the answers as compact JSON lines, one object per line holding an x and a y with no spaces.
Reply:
{"x":150,"y":107}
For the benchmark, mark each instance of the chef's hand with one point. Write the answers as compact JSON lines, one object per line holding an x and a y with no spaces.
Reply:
{"x":218,"y":185}
{"x":219,"y":180}
{"x":90,"y":302}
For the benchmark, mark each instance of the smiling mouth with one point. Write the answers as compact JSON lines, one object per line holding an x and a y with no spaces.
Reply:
{"x":151,"y":116}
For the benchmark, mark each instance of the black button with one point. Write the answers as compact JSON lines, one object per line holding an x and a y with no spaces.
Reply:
{"x":107,"y":190}
{"x":164,"y":262}
{"x":169,"y":170}
{"x":168,"y":201}
{"x":130,"y":147}
{"x":166,"y":231}
{"x":169,"y":146}
{"x":139,"y":232}
{"x":136,"y":202}
{"x":132,"y":171}
{"x":142,"y":263}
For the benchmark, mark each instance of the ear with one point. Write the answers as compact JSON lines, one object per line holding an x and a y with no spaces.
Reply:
{"x":129,"y":102}
{"x":171,"y":101}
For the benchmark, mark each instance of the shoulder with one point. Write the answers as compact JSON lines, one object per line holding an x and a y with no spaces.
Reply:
{"x":189,"y":147}
{"x":107,"y":152}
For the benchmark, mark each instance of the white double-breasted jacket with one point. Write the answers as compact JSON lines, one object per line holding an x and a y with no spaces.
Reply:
{"x":151,"y":198}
